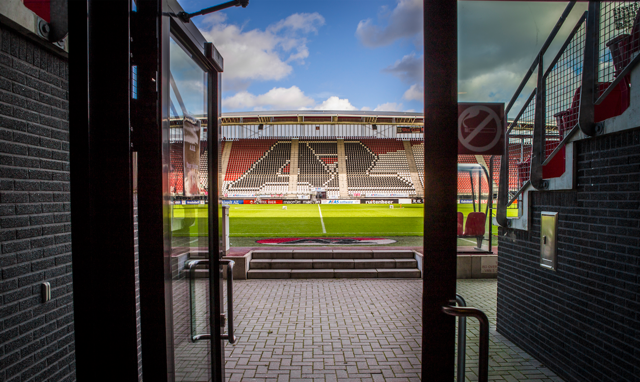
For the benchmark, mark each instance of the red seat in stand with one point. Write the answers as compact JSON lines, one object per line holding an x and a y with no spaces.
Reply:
{"x":474,"y":227}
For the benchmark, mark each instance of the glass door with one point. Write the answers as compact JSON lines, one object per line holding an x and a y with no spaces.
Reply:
{"x":188,"y":117}
{"x":191,"y":111}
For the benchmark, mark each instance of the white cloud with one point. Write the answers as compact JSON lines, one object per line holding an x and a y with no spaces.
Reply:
{"x":404,"y":21}
{"x":261,"y":54}
{"x":275,"y":99}
{"x":415,"y":93}
{"x":305,"y":22}
{"x":335,"y":103}
{"x":409,"y":69}
{"x":389,"y":106}
{"x":285,"y":99}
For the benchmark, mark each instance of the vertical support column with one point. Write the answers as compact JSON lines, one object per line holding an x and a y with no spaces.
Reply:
{"x":342,"y":170}
{"x":151,"y":136}
{"x":440,"y":167}
{"x":413,"y":169}
{"x":293,"y":167}
{"x":101,"y":191}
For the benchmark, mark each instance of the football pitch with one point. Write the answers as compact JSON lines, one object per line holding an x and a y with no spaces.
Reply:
{"x":315,"y":220}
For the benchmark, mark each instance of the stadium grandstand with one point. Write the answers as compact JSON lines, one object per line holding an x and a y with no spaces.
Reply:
{"x":322,"y":155}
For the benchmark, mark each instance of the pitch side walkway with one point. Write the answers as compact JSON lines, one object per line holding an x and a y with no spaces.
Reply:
{"x":354,"y":330}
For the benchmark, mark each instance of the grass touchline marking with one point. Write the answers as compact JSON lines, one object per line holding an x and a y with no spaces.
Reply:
{"x":321,"y":221}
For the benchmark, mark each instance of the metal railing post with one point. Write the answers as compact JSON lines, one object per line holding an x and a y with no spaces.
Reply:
{"x":483,"y":354}
{"x":588,"y":92}
{"x":462,"y":340}
{"x":539,"y":131}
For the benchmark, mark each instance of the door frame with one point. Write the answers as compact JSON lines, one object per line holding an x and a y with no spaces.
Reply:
{"x":146,"y":132}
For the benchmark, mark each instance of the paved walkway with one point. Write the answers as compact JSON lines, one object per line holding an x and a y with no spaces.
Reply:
{"x":354,"y":330}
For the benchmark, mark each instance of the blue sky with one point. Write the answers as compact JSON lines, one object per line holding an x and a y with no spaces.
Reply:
{"x":366,"y":54}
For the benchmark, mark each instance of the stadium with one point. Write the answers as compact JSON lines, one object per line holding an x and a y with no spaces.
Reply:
{"x":328,"y":158}
{"x":190,"y":196}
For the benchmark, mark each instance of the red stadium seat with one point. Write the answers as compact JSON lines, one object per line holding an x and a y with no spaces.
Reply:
{"x":460,"y":223}
{"x":474,"y":227}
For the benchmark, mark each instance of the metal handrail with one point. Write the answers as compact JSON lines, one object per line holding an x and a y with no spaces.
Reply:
{"x":483,"y":356}
{"x":619,"y":77}
{"x":462,"y":339}
{"x":539,"y":131}
{"x":543,"y":49}
{"x":190,"y":266}
{"x":229,"y":336}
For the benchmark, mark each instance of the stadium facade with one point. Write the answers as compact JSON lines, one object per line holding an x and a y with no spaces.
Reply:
{"x":323,"y":155}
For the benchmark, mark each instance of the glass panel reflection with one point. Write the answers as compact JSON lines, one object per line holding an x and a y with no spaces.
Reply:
{"x":189,"y":197}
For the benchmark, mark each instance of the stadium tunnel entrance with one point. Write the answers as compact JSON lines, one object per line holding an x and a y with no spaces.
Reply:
{"x":168,"y":314}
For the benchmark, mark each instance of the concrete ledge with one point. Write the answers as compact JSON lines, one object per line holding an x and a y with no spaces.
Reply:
{"x":260,"y":264}
{"x":312,"y":254}
{"x":399,"y":273}
{"x":392,"y":254}
{"x":240,"y":267}
{"x":291,"y":264}
{"x":356,"y":273}
{"x":374,"y":263}
{"x":353,"y":254}
{"x":406,"y":263}
{"x":477,"y":266}
{"x":312,"y":273}
{"x":274,"y":254}
{"x":269,"y":273}
{"x":333,"y":264}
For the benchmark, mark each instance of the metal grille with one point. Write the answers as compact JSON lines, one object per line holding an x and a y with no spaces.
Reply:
{"x":619,"y":37}
{"x":562,"y":84}
{"x":520,"y":138}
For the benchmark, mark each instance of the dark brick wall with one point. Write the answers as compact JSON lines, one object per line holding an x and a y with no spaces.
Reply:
{"x":36,"y":338}
{"x":582,"y":321}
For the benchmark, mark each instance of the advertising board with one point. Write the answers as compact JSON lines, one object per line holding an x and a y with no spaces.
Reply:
{"x":324,"y":201}
{"x":387,"y":195}
{"x":234,"y":201}
{"x":271,"y":201}
{"x":379,"y":201}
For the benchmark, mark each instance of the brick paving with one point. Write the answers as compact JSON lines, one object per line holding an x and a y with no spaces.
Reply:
{"x":346,"y":330}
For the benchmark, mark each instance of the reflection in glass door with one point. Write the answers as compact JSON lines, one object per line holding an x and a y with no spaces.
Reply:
{"x":188,"y":187}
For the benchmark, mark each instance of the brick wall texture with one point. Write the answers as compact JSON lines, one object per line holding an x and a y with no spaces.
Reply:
{"x":582,"y":321}
{"x":36,"y":337}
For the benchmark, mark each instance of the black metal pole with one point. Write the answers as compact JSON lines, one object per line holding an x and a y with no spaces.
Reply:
{"x":440,"y":166}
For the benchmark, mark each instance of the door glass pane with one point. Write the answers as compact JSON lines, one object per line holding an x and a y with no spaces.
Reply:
{"x":189,"y":197}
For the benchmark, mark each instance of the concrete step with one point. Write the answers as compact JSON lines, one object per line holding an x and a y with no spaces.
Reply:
{"x":343,"y":254}
{"x":398,"y":273}
{"x":332,"y":263}
{"x":332,"y":273}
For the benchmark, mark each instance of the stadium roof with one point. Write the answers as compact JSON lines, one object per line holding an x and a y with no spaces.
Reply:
{"x":322,"y":117}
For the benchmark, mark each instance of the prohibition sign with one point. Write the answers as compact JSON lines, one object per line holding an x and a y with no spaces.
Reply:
{"x":486,"y":124}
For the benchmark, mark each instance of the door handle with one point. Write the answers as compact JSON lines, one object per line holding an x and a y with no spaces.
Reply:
{"x":190,"y":266}
{"x":229,"y":336}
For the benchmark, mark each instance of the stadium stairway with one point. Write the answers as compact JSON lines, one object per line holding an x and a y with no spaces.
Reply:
{"x":325,"y":264}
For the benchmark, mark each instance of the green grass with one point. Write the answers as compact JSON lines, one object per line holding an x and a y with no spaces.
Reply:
{"x":339,"y":220}
{"x":300,"y":220}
